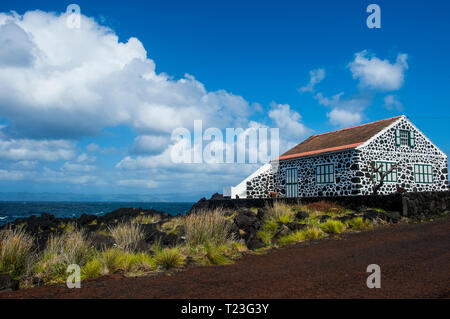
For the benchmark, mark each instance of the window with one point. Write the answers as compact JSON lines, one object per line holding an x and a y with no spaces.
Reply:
{"x":325,"y":174}
{"x":423,"y":173}
{"x":405,"y":138}
{"x":291,"y":182}
{"x":385,"y":167}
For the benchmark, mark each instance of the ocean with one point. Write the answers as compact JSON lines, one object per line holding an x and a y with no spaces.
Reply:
{"x":10,"y":211}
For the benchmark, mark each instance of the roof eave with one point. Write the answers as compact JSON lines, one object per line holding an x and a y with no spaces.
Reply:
{"x":319,"y":152}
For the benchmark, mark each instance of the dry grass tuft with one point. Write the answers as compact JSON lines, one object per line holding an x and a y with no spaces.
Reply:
{"x":325,"y":207}
{"x":15,"y":251}
{"x":207,"y":227}
{"x":146,"y":219}
{"x":127,"y":235}
{"x":280,"y":212}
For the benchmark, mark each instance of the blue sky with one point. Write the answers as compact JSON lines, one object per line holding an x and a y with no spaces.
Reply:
{"x":76,"y":118}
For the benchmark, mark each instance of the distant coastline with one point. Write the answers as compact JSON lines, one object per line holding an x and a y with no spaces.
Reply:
{"x":12,"y":210}
{"x":79,"y":197}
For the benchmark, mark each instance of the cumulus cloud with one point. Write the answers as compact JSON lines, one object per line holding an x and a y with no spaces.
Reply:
{"x":16,"y":47}
{"x":345,"y":111}
{"x":11,"y":175}
{"x":59,"y":85}
{"x":76,"y":167}
{"x":137,"y":183}
{"x":40,"y":150}
{"x":92,"y":148}
{"x":150,"y":144}
{"x":83,"y":80}
{"x":344,"y":118}
{"x":289,"y":122}
{"x":375,"y":73}
{"x":391,"y":102}
{"x":315,"y":77}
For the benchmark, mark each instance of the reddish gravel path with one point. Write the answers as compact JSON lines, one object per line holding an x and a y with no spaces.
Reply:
{"x":414,"y":260}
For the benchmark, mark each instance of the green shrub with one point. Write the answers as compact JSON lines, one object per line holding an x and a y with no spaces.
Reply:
{"x":238,"y":247}
{"x":265,"y":236}
{"x":216,"y":255}
{"x":92,"y":269}
{"x":309,"y":233}
{"x":313,"y":233}
{"x":130,"y":262}
{"x":111,"y":260}
{"x":207,"y":227}
{"x":146,"y":262}
{"x":268,"y":230}
{"x":271,"y":226}
{"x":15,"y":251}
{"x":358,"y":223}
{"x":332,"y":226}
{"x":292,"y":238}
{"x":137,"y":262}
{"x":169,"y":258}
{"x":280,"y":213}
{"x":127,"y":235}
{"x":71,"y":247}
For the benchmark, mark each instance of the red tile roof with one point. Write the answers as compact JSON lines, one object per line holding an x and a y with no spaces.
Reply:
{"x":343,"y":139}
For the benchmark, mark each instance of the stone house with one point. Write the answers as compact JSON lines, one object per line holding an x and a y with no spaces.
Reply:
{"x":389,"y":155}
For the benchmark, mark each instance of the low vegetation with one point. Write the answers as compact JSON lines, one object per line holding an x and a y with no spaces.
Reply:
{"x":15,"y":252}
{"x":309,"y":233}
{"x":280,"y":213}
{"x":332,"y":226}
{"x":358,"y":223}
{"x":204,"y":227}
{"x":208,"y":238}
{"x":169,"y":258}
{"x":127,"y":235}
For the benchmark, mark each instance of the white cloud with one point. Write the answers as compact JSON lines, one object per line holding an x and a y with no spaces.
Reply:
{"x":26,"y":165}
{"x":288,"y":121}
{"x":40,"y":150}
{"x":16,"y":47}
{"x":11,"y":175}
{"x":392,"y":103}
{"x":84,"y":158}
{"x":150,"y":144}
{"x":345,"y":111}
{"x":316,"y":76}
{"x":83,"y":80}
{"x":60,"y":85}
{"x":344,"y":118}
{"x":137,"y":183}
{"x":375,"y":73}
{"x":92,"y":148}
{"x":76,"y":167}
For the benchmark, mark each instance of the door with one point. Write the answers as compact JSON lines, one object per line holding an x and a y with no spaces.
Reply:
{"x":291,"y":182}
